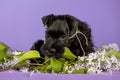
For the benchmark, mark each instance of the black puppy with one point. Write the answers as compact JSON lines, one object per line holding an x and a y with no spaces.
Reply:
{"x":64,"y":31}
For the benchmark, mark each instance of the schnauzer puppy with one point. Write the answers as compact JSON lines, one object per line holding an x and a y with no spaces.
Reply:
{"x":64,"y":31}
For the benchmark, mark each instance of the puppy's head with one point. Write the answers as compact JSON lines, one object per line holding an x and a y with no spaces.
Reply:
{"x":58,"y":30}
{"x":56,"y":36}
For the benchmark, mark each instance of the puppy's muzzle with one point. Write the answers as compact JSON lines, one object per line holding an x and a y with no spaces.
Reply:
{"x":53,"y":51}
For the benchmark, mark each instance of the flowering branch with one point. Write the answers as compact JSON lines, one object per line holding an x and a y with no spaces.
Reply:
{"x":21,"y":65}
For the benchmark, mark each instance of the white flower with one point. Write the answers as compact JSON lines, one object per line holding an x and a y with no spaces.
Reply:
{"x":9,"y":63}
{"x":70,"y":71}
{"x":91,"y":57}
{"x":66,"y":68}
{"x":113,"y":46}
{"x":114,"y":59}
{"x":76,"y":66}
{"x":98,"y":64}
{"x":93,"y":70}
{"x":24,"y":69}
{"x":81,"y":58}
{"x":16,"y":52}
{"x":101,"y":55}
{"x":108,"y":63}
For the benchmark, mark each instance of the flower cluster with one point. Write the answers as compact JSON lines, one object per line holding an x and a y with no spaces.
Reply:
{"x":97,"y":62}
{"x":112,"y":46}
{"x":9,"y":63}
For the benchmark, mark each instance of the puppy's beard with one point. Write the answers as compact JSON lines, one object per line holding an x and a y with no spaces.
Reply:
{"x":55,"y":56}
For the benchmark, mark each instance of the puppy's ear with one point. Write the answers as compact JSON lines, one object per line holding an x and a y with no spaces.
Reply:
{"x":76,"y":24}
{"x":47,"y":20}
{"x":72,"y":23}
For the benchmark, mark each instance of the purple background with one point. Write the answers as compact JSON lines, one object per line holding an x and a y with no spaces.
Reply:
{"x":21,"y":26}
{"x":14,"y":75}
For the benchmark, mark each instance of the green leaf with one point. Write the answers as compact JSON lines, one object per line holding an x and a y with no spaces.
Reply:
{"x":56,"y":65}
{"x":81,"y":71}
{"x":113,"y":52}
{"x":29,"y":55}
{"x":42,"y":68}
{"x":64,"y":66}
{"x":2,"y":56}
{"x":20,"y":64}
{"x":68,"y":54}
{"x":3,"y":51}
{"x":3,"y":48}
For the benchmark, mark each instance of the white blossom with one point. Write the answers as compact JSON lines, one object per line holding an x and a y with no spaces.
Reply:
{"x":93,"y":70}
{"x":113,"y":46}
{"x":16,"y":52}
{"x":24,"y":69}
{"x":10,"y":63}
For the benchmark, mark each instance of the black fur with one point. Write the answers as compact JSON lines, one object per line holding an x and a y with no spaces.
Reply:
{"x":59,"y":29}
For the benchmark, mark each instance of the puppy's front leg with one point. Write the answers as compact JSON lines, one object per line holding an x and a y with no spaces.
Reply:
{"x":36,"y":46}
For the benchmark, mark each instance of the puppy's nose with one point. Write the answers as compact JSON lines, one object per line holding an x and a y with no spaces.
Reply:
{"x":52,"y":50}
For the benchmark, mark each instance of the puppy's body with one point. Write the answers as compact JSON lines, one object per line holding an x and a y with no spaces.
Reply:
{"x":64,"y":31}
